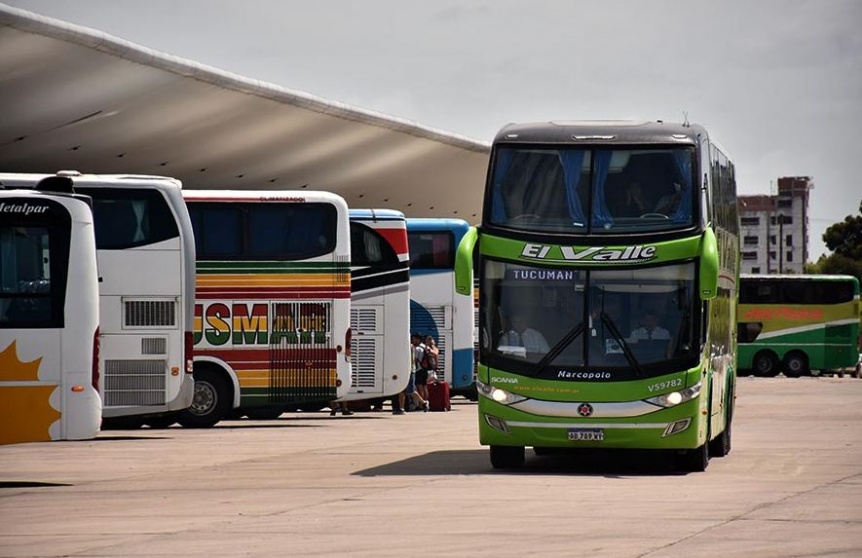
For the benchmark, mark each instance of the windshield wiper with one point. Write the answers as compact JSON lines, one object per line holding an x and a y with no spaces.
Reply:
{"x":630,"y":357}
{"x":559,"y":347}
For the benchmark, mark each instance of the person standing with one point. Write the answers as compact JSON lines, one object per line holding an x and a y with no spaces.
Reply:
{"x":420,"y":374}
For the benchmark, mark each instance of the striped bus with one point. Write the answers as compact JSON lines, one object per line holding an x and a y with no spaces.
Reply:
{"x":272,"y":311}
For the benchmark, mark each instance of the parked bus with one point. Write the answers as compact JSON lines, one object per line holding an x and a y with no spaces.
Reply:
{"x":798,"y":324}
{"x":146,"y":256}
{"x":272,"y":317}
{"x":435,"y":308}
{"x":49,"y":318}
{"x":380,"y":304}
{"x":591,"y":232}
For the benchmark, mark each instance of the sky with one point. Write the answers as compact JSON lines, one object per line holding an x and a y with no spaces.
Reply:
{"x":777,"y":82}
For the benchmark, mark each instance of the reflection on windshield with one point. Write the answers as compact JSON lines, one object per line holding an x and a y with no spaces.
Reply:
{"x":578,"y":319}
{"x":571,"y":190}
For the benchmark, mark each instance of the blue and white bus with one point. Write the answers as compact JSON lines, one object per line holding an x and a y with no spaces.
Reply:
{"x":435,"y":308}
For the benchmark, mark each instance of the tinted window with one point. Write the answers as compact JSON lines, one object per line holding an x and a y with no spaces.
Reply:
{"x":367,"y":247}
{"x":431,"y":250}
{"x":34,"y":261}
{"x":255,"y":231}
{"x":126,"y":218}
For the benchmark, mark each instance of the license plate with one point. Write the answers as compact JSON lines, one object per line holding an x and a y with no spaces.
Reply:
{"x":586,"y":435}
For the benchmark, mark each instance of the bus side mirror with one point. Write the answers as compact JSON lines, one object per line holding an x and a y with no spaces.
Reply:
{"x":708,"y":265}
{"x":464,"y":263}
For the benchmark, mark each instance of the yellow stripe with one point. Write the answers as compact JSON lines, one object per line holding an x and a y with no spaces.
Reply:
{"x":271,"y":280}
{"x":260,"y":378}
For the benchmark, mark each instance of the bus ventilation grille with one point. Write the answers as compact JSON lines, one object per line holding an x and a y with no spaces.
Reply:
{"x":302,"y":359}
{"x":134,"y":382}
{"x":150,"y":313}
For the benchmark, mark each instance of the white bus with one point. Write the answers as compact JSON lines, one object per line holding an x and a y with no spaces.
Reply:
{"x":436,"y":309}
{"x":49,"y":318}
{"x":272,"y":317}
{"x":380,"y":304}
{"x":146,"y":256}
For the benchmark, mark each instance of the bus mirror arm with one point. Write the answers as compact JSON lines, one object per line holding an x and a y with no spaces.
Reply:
{"x":464,"y":263}
{"x":708,"y":272}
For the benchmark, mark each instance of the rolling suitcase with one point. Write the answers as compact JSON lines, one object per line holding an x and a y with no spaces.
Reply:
{"x":438,"y":397}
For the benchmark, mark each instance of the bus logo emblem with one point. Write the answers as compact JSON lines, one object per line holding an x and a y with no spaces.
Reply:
{"x":585,"y":409}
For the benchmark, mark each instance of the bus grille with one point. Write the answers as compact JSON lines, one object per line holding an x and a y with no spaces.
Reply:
{"x":150,"y":313}
{"x":154,"y":346}
{"x":363,"y":355}
{"x":134,"y":382}
{"x":302,"y":360}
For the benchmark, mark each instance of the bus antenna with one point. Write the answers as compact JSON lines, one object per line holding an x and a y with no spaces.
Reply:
{"x":685,"y":122}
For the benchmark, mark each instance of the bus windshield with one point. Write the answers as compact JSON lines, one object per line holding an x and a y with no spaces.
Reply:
{"x":636,"y":323}
{"x":586,"y":191}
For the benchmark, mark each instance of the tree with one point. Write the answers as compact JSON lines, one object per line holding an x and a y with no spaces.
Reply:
{"x":845,"y":241}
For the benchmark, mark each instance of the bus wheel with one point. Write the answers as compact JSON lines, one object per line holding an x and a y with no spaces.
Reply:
{"x":766,"y":364}
{"x":694,"y":461}
{"x":795,"y":364}
{"x":507,"y":457}
{"x":211,"y":401}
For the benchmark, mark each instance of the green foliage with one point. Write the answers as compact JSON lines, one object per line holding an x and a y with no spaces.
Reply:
{"x":845,"y":241}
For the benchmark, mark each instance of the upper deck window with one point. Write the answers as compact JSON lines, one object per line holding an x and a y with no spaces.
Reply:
{"x":592,"y":191}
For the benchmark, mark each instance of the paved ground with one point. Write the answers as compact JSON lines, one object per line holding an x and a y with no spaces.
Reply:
{"x":419,"y":485}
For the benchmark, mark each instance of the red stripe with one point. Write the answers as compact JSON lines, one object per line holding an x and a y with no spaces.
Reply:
{"x":397,"y":238}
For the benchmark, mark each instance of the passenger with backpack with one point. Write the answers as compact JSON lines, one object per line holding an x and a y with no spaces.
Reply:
{"x":421,"y":363}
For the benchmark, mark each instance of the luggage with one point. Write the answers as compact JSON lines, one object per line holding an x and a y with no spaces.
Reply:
{"x":438,"y":397}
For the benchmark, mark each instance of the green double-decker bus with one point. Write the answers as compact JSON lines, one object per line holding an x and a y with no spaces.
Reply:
{"x":607,"y":274}
{"x":798,"y":324}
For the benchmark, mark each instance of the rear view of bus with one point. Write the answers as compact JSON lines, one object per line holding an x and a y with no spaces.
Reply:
{"x":272,"y":317}
{"x":436,"y":309}
{"x":49,"y":318}
{"x":146,"y":257}
{"x":380,"y":303}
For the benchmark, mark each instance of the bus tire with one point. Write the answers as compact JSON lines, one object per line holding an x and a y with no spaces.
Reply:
{"x":766,"y":364}
{"x":795,"y":364}
{"x":721,"y":444}
{"x":694,"y":460}
{"x":507,"y":457}
{"x":211,"y":401}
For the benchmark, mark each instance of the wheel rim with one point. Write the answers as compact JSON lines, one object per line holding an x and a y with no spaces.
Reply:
{"x":794,"y":365}
{"x":764,"y":364}
{"x":204,"y":400}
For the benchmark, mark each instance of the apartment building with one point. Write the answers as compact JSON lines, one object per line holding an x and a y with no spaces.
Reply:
{"x":774,"y":228}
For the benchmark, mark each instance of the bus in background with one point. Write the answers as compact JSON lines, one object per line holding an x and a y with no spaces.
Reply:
{"x":146,"y":256}
{"x":49,"y":318}
{"x":380,"y":304}
{"x":435,"y":308}
{"x":588,"y":227}
{"x":272,"y":317}
{"x":798,"y":324}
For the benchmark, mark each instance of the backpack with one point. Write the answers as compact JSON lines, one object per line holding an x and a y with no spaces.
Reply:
{"x":428,"y":361}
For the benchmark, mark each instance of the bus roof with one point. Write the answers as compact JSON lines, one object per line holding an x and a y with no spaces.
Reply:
{"x":594,"y":132}
{"x":29,"y":180}
{"x":436,"y":224}
{"x":376,"y":214}
{"x":296,"y":196}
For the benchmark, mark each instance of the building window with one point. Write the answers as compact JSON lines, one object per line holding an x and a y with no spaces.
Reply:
{"x":755,"y":270}
{"x":789,"y":255}
{"x":749,"y":221}
{"x":772,"y":239}
{"x":785,"y":202}
{"x":749,"y":255}
{"x":781,"y":220}
{"x":772,"y":255}
{"x":789,"y":240}
{"x":750,"y":241}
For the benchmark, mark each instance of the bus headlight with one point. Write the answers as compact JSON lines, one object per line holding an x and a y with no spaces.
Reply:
{"x":676,"y":397}
{"x":497,"y":394}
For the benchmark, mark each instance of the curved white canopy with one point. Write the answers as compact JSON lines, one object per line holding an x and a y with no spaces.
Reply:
{"x":75,"y":98}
